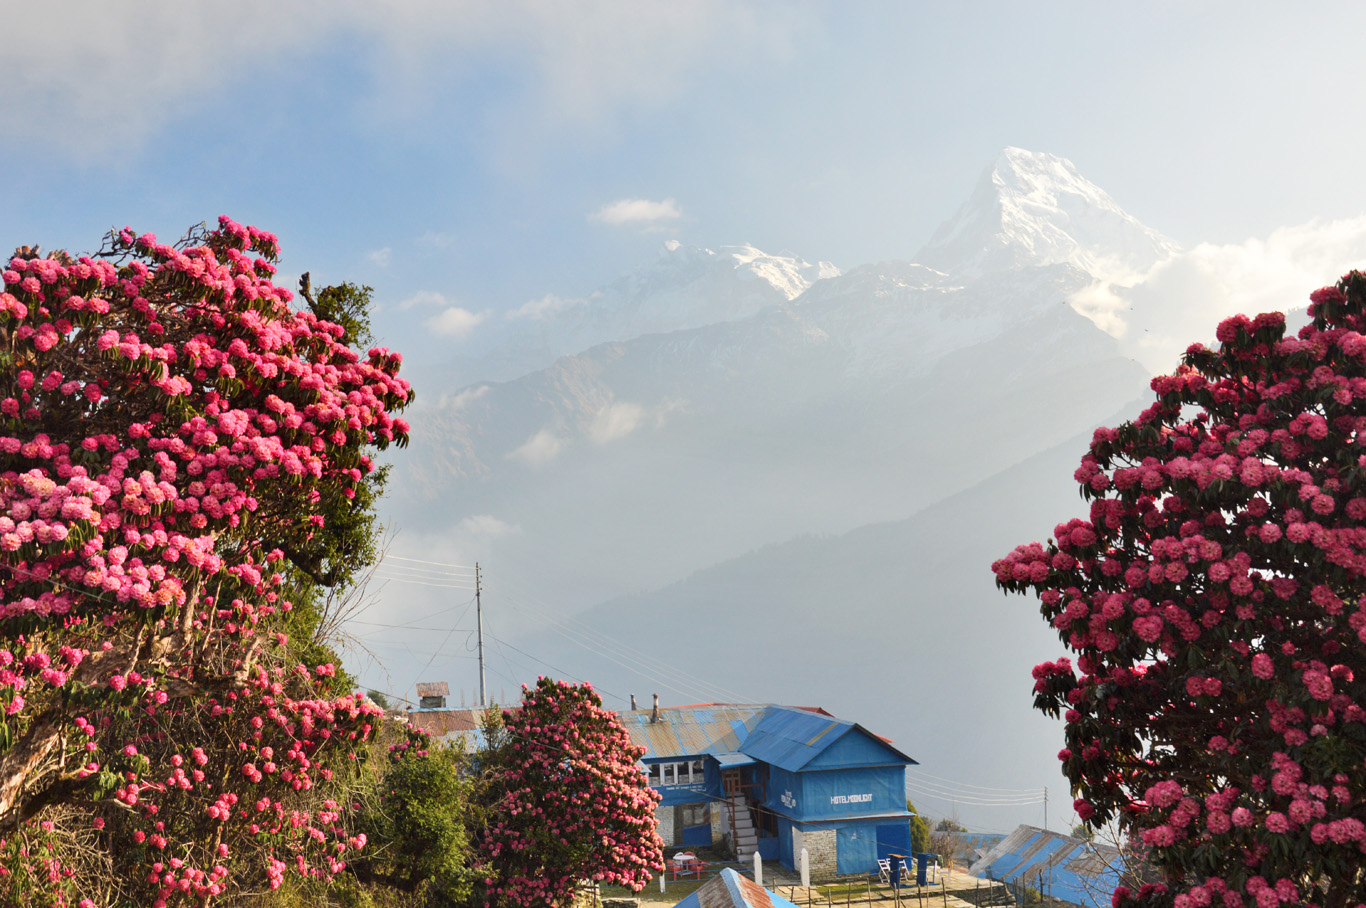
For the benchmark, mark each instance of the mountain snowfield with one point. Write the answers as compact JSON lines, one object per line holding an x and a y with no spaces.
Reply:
{"x":745,"y":476}
{"x":686,"y":287}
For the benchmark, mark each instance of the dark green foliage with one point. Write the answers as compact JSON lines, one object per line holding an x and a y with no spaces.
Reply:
{"x":920,"y":830}
{"x":416,"y":830}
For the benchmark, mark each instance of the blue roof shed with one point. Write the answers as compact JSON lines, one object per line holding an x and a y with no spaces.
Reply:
{"x":1059,"y":866}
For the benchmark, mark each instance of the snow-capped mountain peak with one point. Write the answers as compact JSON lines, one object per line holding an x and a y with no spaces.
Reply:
{"x":1031,"y":208}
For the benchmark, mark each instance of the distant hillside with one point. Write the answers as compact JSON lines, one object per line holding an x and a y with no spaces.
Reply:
{"x":897,"y":626}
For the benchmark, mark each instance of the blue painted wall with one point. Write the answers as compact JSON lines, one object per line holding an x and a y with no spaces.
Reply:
{"x":855,"y":848}
{"x":697,"y":836}
{"x":845,"y":792}
{"x":769,"y":847}
{"x":854,"y":748}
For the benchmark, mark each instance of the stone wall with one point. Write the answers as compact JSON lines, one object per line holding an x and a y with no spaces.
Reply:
{"x":720,"y":823}
{"x":820,"y":852}
{"x":665,"y":817}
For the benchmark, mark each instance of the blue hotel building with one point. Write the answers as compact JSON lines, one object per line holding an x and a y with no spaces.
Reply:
{"x":775,"y":779}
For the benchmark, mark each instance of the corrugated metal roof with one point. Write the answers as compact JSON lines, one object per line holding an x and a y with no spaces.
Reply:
{"x":975,"y":845}
{"x":433,"y":689}
{"x":784,"y":736}
{"x":1064,"y":867}
{"x":733,"y":761}
{"x":441,"y":722}
{"x":729,"y":889}
{"x":790,"y":738}
{"x":687,"y":731}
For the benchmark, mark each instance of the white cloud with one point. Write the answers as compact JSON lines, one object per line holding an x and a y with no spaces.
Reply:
{"x":484,"y":526}
{"x":438,"y":240}
{"x":539,"y":450}
{"x":614,"y":421}
{"x":464,"y":398}
{"x":380,"y":257}
{"x":425,"y":299}
{"x":69,"y":86}
{"x":636,"y":211}
{"x":545,"y":307}
{"x":455,"y":322}
{"x":1182,"y":300}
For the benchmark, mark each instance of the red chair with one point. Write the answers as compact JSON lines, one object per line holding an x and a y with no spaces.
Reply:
{"x":686,"y":865}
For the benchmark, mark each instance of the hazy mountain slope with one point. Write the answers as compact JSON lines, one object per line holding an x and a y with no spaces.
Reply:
{"x":684,"y":287}
{"x":634,"y":463}
{"x":897,"y":625}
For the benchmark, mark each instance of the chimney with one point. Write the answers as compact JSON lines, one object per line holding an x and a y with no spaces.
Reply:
{"x":633,"y":702}
{"x":654,"y":713}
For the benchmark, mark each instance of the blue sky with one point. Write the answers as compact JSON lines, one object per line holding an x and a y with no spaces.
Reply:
{"x":460,"y":149}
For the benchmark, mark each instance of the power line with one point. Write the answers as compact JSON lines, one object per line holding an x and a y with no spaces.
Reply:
{"x":466,"y":568}
{"x":917,"y":772}
{"x":596,"y":641}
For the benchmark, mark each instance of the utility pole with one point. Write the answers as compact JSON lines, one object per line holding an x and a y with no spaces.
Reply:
{"x":479,"y":617}
{"x":1045,"y":788}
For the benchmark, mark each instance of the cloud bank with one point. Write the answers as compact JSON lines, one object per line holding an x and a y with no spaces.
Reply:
{"x":636,"y":212}
{"x":1182,"y":300}
{"x":72,"y":68}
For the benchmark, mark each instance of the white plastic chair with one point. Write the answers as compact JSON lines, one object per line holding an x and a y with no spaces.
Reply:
{"x":884,"y":867}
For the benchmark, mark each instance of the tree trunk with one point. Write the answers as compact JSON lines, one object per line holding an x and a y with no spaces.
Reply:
{"x":19,"y":763}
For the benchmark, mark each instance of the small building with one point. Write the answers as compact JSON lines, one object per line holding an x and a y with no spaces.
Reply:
{"x":462,"y":728}
{"x":776,"y":779}
{"x":432,"y":694}
{"x":1059,"y":867}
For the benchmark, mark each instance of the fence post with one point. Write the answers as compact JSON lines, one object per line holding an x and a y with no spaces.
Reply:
{"x":806,"y":870}
{"x":758,"y":869}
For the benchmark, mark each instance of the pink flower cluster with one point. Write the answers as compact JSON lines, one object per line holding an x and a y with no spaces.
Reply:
{"x":1214,"y":598}
{"x":573,"y":781}
{"x":170,"y":427}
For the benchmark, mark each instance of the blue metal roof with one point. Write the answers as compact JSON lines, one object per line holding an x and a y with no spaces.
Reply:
{"x":792,"y":738}
{"x":733,"y":761}
{"x":1060,"y":866}
{"x":783,"y":736}
{"x":729,"y":889}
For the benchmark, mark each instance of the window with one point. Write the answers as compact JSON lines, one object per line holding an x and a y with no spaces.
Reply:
{"x":691,"y":772}
{"x":696,"y":815}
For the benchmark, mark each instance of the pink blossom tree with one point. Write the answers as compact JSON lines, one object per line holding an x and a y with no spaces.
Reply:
{"x":1215,"y":603}
{"x":563,"y":801}
{"x":174,"y":438}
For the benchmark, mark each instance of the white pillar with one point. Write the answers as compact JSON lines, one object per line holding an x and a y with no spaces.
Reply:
{"x":758,"y":869}
{"x":661,"y":880}
{"x":806,"y":870}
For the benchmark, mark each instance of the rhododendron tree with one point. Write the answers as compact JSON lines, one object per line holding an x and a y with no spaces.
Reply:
{"x":180,"y":451}
{"x":1214,"y":601}
{"x":563,"y":801}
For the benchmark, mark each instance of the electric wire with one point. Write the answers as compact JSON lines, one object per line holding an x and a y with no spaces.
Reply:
{"x":652,"y":670}
{"x":466,"y":568}
{"x":426,"y":572}
{"x":444,"y":586}
{"x":917,"y":772}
